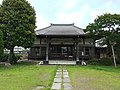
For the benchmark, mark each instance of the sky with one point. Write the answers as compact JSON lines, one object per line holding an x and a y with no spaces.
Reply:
{"x":79,"y":12}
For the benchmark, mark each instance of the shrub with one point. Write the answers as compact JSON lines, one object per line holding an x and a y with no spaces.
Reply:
{"x":4,"y":57}
{"x":118,"y":61}
{"x":102,"y":61}
{"x":18,"y":56}
{"x":106,"y":61}
{"x":94,"y":61}
{"x":1,"y":43}
{"x":13,"y":60}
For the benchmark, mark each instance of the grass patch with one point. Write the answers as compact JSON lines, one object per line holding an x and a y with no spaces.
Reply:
{"x":26,"y":76}
{"x":94,"y":77}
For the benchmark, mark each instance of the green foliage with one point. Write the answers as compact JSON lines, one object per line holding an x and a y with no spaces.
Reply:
{"x":17,"y":22}
{"x":106,"y":61}
{"x":13,"y":59}
{"x":107,"y":26}
{"x":118,"y":61}
{"x":102,"y":61}
{"x":117,"y":49}
{"x":4,"y":57}
{"x":18,"y":56}
{"x":1,"y":43}
{"x":94,"y":61}
{"x":107,"y":29}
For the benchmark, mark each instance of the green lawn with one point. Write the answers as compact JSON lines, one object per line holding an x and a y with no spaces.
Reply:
{"x":26,"y":76}
{"x":94,"y":77}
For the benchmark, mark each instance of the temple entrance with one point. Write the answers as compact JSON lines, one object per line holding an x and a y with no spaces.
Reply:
{"x":61,"y":52}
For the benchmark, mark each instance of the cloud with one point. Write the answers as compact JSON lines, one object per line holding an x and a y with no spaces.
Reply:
{"x":80,"y":12}
{"x":41,"y":22}
{"x":76,"y":17}
{"x":94,"y":14}
{"x":69,"y":4}
{"x":85,"y":7}
{"x":104,"y":8}
{"x":69,"y":18}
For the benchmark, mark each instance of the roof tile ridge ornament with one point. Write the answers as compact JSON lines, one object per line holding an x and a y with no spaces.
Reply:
{"x":62,"y":24}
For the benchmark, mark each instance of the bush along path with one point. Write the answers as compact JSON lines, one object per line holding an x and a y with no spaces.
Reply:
{"x":61,"y":80}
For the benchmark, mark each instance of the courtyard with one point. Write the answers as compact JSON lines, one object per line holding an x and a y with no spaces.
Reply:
{"x":29,"y":76}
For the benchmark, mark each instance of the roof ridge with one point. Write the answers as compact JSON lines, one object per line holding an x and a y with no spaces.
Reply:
{"x":72,"y":24}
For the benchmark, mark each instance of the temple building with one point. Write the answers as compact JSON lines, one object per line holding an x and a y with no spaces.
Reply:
{"x":62,"y":42}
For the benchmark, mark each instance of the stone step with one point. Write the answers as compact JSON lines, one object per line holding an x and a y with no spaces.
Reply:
{"x":62,"y":62}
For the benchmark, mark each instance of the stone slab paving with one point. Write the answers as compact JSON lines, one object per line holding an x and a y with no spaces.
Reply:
{"x":64,"y":70}
{"x":59,"y":70}
{"x":65,"y":73}
{"x":65,"y":76}
{"x":61,"y":80}
{"x":58,"y":80}
{"x":58,"y":75}
{"x":67,"y":86}
{"x":66,"y":80}
{"x":56,"y":86}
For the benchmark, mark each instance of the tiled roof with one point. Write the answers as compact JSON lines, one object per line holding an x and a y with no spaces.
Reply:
{"x":60,"y":29}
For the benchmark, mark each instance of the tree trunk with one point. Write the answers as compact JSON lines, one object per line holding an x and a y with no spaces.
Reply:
{"x":113,"y":55}
{"x":11,"y":54}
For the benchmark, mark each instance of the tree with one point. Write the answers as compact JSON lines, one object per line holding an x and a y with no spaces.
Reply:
{"x":17,"y":22}
{"x":1,"y":43}
{"x":107,"y":27}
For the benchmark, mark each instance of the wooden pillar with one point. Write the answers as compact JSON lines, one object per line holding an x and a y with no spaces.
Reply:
{"x":84,"y":45}
{"x":94,"y":55}
{"x":83,"y":41}
{"x":40,"y":48}
{"x":47,"y":50}
{"x":74,"y":48}
{"x":77,"y":50}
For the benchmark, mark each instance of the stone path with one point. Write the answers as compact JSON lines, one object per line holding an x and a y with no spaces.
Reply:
{"x":61,"y":80}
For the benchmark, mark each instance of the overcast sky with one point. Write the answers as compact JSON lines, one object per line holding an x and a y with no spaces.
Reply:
{"x":80,"y":12}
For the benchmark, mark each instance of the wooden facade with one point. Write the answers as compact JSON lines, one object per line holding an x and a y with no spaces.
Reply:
{"x":73,"y":45}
